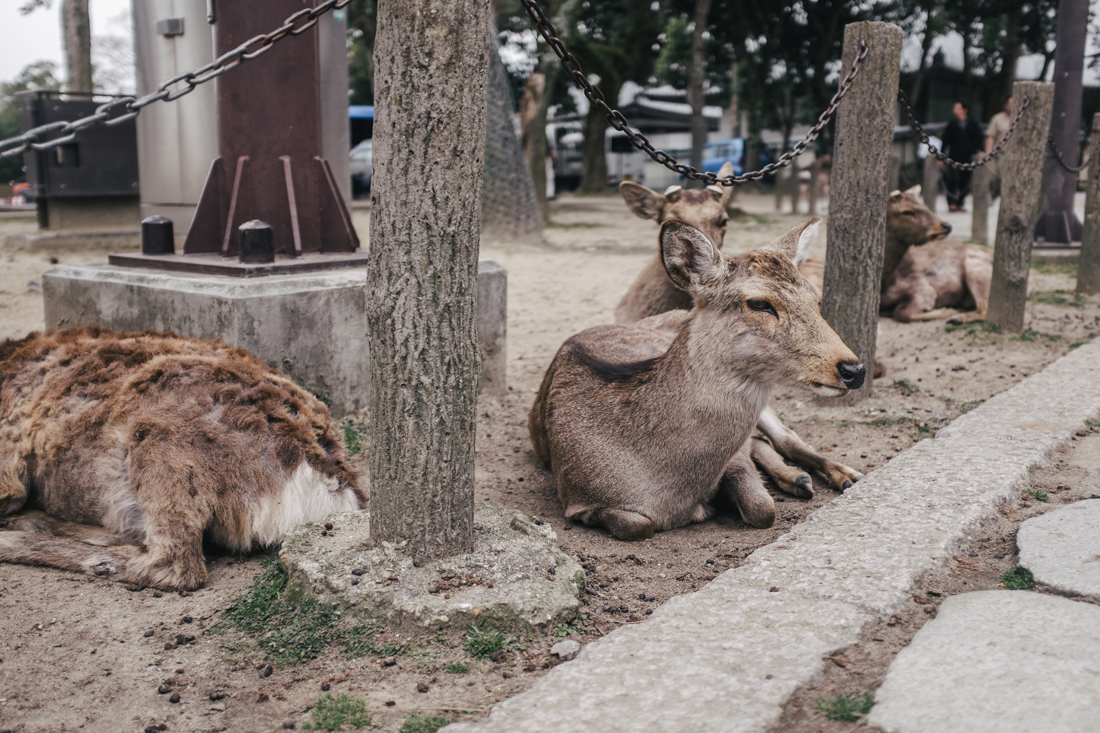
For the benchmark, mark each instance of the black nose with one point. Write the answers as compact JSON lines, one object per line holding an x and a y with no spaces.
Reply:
{"x":946,"y":228}
{"x":851,"y":374}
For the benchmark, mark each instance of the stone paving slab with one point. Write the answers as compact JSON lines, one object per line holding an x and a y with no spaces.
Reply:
{"x":728,"y":657}
{"x":1062,"y":550}
{"x":997,"y":662}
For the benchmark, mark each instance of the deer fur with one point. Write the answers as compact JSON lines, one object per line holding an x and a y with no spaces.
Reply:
{"x":131,"y":449}
{"x":653,"y":292}
{"x":645,"y":424}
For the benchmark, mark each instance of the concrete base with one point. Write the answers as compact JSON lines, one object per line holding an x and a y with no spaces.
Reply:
{"x":94,"y":212}
{"x":506,"y":579}
{"x":312,"y":326}
{"x":47,"y":240}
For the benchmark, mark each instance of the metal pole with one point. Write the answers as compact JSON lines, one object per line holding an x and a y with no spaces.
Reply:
{"x":1058,"y":225}
{"x":858,"y":191}
{"x":1021,"y":179}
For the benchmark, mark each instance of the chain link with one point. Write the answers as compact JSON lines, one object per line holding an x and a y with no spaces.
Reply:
{"x":942,"y":157}
{"x":616,"y":119}
{"x":108,"y":114}
{"x":1075,"y":170}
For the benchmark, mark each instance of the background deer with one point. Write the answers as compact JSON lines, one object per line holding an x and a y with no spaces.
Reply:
{"x":652,"y":292}
{"x":644,"y":424}
{"x":159,"y":441}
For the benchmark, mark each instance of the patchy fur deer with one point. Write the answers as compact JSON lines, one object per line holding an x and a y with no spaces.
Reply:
{"x":644,"y":424}
{"x":653,"y":292}
{"x":161,"y":441}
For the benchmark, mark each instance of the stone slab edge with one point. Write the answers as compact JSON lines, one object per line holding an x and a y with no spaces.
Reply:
{"x":728,"y":657}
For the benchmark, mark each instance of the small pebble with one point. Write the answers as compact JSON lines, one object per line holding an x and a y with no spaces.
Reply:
{"x":157,"y":594}
{"x":507,"y":675}
{"x":217,"y":695}
{"x":149,"y":633}
{"x":268,"y":670}
{"x":289,"y":723}
{"x":497,"y":655}
{"x":421,"y":687}
{"x":389,"y":661}
{"x":358,"y":571}
{"x":179,"y":671}
{"x":328,"y":525}
{"x":390,"y":703}
{"x":164,"y":689}
{"x":418,"y":562}
{"x":325,"y":687}
{"x":169,"y":645}
{"x":187,"y":619}
{"x":174,"y":698}
{"x":262,"y":697}
{"x":324,"y":533}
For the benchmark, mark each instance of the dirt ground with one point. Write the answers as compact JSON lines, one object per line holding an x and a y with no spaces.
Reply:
{"x":74,"y":652}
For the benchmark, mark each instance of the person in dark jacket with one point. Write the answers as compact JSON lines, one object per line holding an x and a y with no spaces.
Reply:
{"x":962,"y":139}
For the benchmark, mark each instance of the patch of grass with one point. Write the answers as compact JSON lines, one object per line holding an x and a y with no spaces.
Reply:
{"x":885,"y":422}
{"x":1031,"y":334}
{"x":906,"y":385}
{"x":844,"y":708}
{"x":417,"y":723}
{"x":1075,"y":344}
{"x":969,"y":405}
{"x":1056,"y":268}
{"x":292,"y":633}
{"x":972,"y":328}
{"x":457,"y":668}
{"x":1092,"y":422}
{"x":355,"y":435}
{"x":333,"y":713}
{"x":926,"y":431}
{"x":482,"y":640}
{"x":1018,"y":579}
{"x":1059,"y":297}
{"x":1036,"y":494}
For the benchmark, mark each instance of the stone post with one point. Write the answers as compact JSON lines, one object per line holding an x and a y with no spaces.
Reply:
{"x":1088,"y":271}
{"x":1021,"y":168}
{"x":858,"y":190}
{"x":796,"y":187}
{"x":979,"y":219}
{"x":431,"y":79}
{"x":780,"y":187}
{"x":930,"y":184}
{"x":815,"y":173}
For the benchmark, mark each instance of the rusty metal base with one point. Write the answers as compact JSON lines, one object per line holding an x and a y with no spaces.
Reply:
{"x":207,"y":264}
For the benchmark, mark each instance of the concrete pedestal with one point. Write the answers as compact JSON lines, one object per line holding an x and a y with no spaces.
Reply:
{"x":312,"y":326}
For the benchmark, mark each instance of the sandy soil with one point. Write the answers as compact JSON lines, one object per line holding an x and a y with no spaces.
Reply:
{"x":74,"y":654}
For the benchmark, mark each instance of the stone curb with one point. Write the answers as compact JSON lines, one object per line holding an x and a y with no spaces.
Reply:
{"x":728,"y":657}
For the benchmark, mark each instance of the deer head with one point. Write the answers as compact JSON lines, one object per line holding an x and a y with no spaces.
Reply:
{"x":704,"y":209}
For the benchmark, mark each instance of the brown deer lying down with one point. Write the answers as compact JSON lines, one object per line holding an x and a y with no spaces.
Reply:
{"x":652,"y":292}
{"x":162,"y":441}
{"x":644,"y":424}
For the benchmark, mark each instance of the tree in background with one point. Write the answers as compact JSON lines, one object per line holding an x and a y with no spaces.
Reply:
{"x":39,"y":75}
{"x":362,"y":27}
{"x":77,"y":30}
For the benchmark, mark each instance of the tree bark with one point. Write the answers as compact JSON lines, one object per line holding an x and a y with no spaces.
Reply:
{"x":697,"y":75}
{"x":858,"y":190}
{"x":1021,"y":167}
{"x":77,"y":30}
{"x":594,"y":165}
{"x":1088,"y":270}
{"x":432,"y":61}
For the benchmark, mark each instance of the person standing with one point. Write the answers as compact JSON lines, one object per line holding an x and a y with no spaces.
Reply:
{"x":962,"y":139}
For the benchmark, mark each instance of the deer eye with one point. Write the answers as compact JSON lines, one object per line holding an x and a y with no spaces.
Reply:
{"x":763,"y":306}
{"x":723,"y":222}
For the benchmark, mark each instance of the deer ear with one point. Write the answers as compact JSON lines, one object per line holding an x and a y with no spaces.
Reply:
{"x":796,"y":242}
{"x":914,"y":191}
{"x":643,"y":202}
{"x":690,"y":260}
{"x":723,"y":193}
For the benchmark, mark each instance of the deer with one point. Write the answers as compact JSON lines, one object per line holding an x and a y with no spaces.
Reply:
{"x":652,"y":293}
{"x":645,"y":424}
{"x":120,"y":453}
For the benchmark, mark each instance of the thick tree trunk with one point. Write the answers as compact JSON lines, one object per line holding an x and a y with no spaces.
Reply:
{"x":697,"y":75}
{"x":432,"y":60}
{"x":594,"y":166}
{"x":533,"y":133}
{"x":77,"y":29}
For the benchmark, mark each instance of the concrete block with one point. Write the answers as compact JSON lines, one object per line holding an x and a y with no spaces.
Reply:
{"x":997,"y":662}
{"x":492,"y":309}
{"x":1062,"y":550}
{"x":313,"y":325}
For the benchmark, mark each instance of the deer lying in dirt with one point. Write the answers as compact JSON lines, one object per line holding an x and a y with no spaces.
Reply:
{"x":162,"y":441}
{"x":644,"y":424}
{"x":653,"y":292}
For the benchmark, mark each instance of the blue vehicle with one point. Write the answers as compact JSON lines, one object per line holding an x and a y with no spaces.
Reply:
{"x":720,"y":151}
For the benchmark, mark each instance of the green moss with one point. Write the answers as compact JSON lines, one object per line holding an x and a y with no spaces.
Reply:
{"x":1033,"y":335}
{"x":1037,"y":495}
{"x":1058,"y":297}
{"x":417,"y":723}
{"x":844,"y":708}
{"x":1056,"y":268}
{"x":355,"y":436}
{"x":457,"y":668}
{"x":1018,"y":579}
{"x":333,"y":713}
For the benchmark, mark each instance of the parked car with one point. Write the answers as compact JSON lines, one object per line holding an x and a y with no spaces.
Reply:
{"x":362,"y":158}
{"x":715,"y":154}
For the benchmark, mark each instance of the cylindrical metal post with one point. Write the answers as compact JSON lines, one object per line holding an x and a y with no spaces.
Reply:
{"x":1021,"y":164}
{"x":930,"y":183}
{"x":1088,"y":271}
{"x":157,"y":237}
{"x":979,"y":219}
{"x":257,"y":243}
{"x":858,"y":190}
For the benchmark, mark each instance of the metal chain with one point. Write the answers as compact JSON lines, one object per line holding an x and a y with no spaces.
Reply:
{"x":639,"y":141}
{"x":942,"y":157}
{"x":1084,"y":163}
{"x":295,"y":25}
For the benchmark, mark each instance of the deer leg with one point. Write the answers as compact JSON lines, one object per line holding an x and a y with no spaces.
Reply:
{"x":792,"y":480}
{"x":937,"y":314}
{"x":742,"y":484}
{"x":918,"y":302}
{"x":624,"y":525}
{"x":978,"y":273}
{"x":37,"y":548}
{"x":789,"y":445}
{"x":13,"y":495}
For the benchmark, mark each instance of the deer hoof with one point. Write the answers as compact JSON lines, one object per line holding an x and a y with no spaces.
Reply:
{"x":804,"y":486}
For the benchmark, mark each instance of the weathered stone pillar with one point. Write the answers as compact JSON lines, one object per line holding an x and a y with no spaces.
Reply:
{"x":930,"y":184}
{"x":979,"y":218}
{"x":858,"y":191}
{"x":1021,"y":165}
{"x":1088,"y":271}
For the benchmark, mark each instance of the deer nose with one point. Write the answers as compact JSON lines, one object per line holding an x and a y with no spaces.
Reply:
{"x":851,"y":374}
{"x":946,"y":228}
